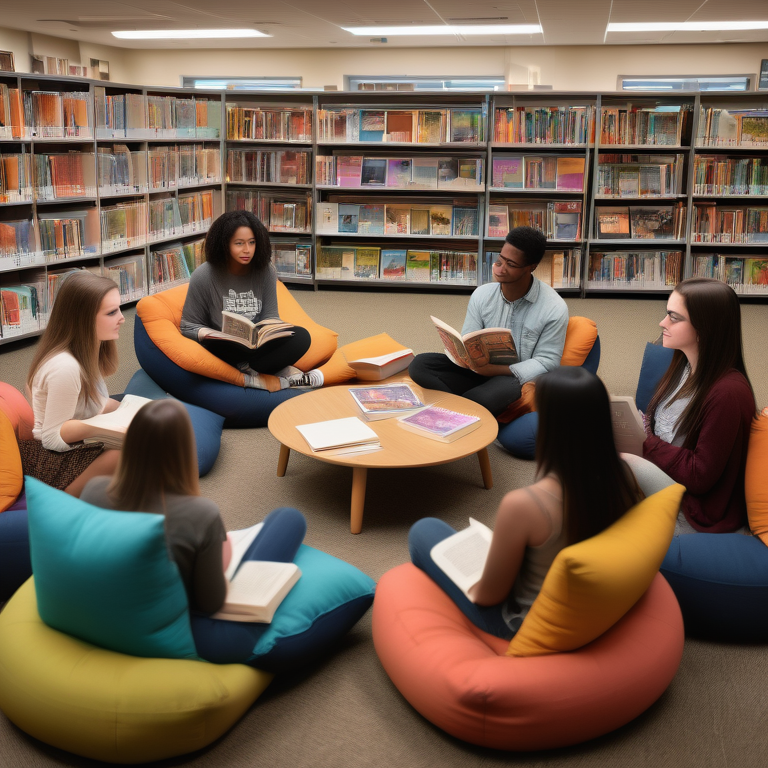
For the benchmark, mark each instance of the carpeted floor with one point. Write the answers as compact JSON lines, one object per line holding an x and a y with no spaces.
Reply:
{"x":343,"y":712}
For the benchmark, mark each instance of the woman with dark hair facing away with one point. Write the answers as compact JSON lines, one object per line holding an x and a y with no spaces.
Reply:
{"x":158,"y":473}
{"x":238,"y":276}
{"x":699,"y":417}
{"x":66,"y":383}
{"x":582,"y":487}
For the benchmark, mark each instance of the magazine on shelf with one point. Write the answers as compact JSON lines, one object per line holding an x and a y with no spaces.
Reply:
{"x":386,"y":401}
{"x":462,"y":556}
{"x":109,"y":428}
{"x":493,"y":346}
{"x":241,"y":330}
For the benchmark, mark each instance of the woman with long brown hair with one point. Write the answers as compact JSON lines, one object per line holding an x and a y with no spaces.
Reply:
{"x":66,"y":383}
{"x":699,"y":417}
{"x":158,"y":473}
{"x":582,"y":487}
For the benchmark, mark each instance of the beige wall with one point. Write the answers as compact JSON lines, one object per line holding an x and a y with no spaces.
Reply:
{"x":590,"y":68}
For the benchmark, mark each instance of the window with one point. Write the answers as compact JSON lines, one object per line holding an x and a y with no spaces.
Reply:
{"x":409,"y":83}
{"x":246,"y":83}
{"x":686,"y":83}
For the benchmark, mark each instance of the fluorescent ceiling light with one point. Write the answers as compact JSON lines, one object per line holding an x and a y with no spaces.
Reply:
{"x":447,"y":29}
{"x":686,"y":26}
{"x":186,"y":34}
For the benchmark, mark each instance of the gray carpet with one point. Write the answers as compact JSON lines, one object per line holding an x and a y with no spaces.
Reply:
{"x":344,"y":711}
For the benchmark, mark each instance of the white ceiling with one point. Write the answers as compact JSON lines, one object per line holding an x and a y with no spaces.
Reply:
{"x":318,"y":23}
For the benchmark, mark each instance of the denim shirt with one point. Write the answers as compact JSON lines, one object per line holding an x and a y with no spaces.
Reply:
{"x":538,"y":322}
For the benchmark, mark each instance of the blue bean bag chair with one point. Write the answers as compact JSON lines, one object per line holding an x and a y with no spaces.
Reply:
{"x":519,"y":435}
{"x":206,"y":424}
{"x":719,"y":579}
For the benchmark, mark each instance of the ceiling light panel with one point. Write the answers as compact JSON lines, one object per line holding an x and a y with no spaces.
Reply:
{"x":186,"y":34}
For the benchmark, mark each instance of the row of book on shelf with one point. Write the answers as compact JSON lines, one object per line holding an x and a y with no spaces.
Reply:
{"x":25,"y":308}
{"x":639,"y":175}
{"x":667,"y":126}
{"x":55,"y":235}
{"x":139,"y":116}
{"x":718,"y":175}
{"x":28,"y":114}
{"x":405,"y":126}
{"x":269,"y":166}
{"x":394,"y":264}
{"x":572,"y":125}
{"x":564,"y":172}
{"x":745,"y":275}
{"x":401,"y":172}
{"x":725,"y":224}
{"x":558,"y":220}
{"x":650,"y":270}
{"x":720,"y":127}
{"x":658,"y":222}
{"x":254,"y":123}
{"x":398,"y":219}
{"x":278,"y":211}
{"x":114,"y":171}
{"x":557,"y":268}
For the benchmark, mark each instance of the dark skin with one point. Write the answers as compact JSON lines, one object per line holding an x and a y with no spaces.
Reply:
{"x":515,"y":278}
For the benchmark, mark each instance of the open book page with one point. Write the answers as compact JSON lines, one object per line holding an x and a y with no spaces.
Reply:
{"x":110,"y":428}
{"x":240,"y":541}
{"x":628,"y":428}
{"x":239,"y":327}
{"x":257,"y":590}
{"x":452,"y":343}
{"x":272,"y":328}
{"x":493,"y":346}
{"x":462,"y":556}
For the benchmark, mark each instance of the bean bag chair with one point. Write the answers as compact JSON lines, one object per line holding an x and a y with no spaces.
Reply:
{"x":206,"y":424}
{"x":186,"y":370}
{"x":338,"y":370}
{"x":601,"y":643}
{"x":15,"y":419}
{"x":519,"y":424}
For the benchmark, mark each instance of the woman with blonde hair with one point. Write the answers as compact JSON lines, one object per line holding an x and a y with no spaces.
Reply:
{"x":66,"y":383}
{"x":157,"y":473}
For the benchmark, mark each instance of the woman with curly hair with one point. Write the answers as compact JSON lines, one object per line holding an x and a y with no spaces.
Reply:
{"x":238,"y":276}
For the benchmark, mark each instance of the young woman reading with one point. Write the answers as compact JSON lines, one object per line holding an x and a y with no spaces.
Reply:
{"x":238,"y":276}
{"x":66,"y":383}
{"x":699,"y":418}
{"x":158,"y":473}
{"x":583,"y":486}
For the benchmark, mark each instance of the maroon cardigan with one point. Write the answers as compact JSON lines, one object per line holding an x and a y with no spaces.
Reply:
{"x":713,"y":471}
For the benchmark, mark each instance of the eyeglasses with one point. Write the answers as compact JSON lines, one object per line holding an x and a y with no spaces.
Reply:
{"x":507,"y":264}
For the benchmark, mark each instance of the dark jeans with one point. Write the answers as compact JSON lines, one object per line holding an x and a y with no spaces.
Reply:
{"x":423,"y":535}
{"x":435,"y":371}
{"x":280,"y":538}
{"x":269,"y":357}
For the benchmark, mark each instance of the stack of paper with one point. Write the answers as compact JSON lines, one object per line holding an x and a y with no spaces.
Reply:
{"x":348,"y":435}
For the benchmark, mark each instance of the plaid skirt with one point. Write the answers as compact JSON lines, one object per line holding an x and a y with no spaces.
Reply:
{"x":57,"y":468}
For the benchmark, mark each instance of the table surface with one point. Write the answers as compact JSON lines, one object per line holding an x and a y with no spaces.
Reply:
{"x":399,"y":447}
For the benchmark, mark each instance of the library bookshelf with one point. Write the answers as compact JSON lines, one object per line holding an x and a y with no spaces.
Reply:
{"x":397,"y":190}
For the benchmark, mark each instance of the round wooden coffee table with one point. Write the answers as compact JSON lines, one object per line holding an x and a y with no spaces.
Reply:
{"x":399,"y":447}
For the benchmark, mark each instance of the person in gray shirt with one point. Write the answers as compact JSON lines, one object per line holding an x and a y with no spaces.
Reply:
{"x":157,"y":473}
{"x":238,"y":276}
{"x":534,"y":312}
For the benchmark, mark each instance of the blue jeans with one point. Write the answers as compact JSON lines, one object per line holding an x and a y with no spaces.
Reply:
{"x":280,"y":538}
{"x":423,"y":535}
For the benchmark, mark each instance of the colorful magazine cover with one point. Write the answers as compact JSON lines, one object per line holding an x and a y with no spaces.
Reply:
{"x":397,"y":397}
{"x":440,"y":421}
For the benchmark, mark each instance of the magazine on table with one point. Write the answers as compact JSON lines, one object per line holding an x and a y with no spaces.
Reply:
{"x":386,"y":401}
{"x":440,"y":424}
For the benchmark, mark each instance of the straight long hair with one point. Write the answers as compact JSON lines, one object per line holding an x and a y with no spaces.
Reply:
{"x":575,"y":444}
{"x":72,"y":328}
{"x":158,"y":457}
{"x":715,"y":314}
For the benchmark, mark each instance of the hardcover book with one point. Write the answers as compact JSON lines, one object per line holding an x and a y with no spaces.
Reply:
{"x":612,"y":223}
{"x":393,"y":264}
{"x":349,"y":215}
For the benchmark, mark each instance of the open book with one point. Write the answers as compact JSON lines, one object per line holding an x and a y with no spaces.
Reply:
{"x":628,"y":428}
{"x":110,"y":428}
{"x":257,"y":589}
{"x":240,"y":329}
{"x":478,"y":348}
{"x":383,"y":366}
{"x":462,"y":556}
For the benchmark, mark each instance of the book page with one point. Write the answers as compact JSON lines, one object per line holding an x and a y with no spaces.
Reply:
{"x":121,"y":417}
{"x":238,"y":326}
{"x":462,"y":556}
{"x":241,"y":541}
{"x":452,"y":343}
{"x":628,"y":428}
{"x":491,"y":345}
{"x":381,"y":359}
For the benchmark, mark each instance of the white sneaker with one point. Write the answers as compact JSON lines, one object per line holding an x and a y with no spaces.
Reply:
{"x":289,"y":371}
{"x":310,"y":380}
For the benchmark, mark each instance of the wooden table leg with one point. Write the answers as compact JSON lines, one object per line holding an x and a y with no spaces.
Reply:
{"x":359,"y":478}
{"x":485,"y":468}
{"x":282,"y":460}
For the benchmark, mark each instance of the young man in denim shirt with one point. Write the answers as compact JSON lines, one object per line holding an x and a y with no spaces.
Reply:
{"x":534,"y":312}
